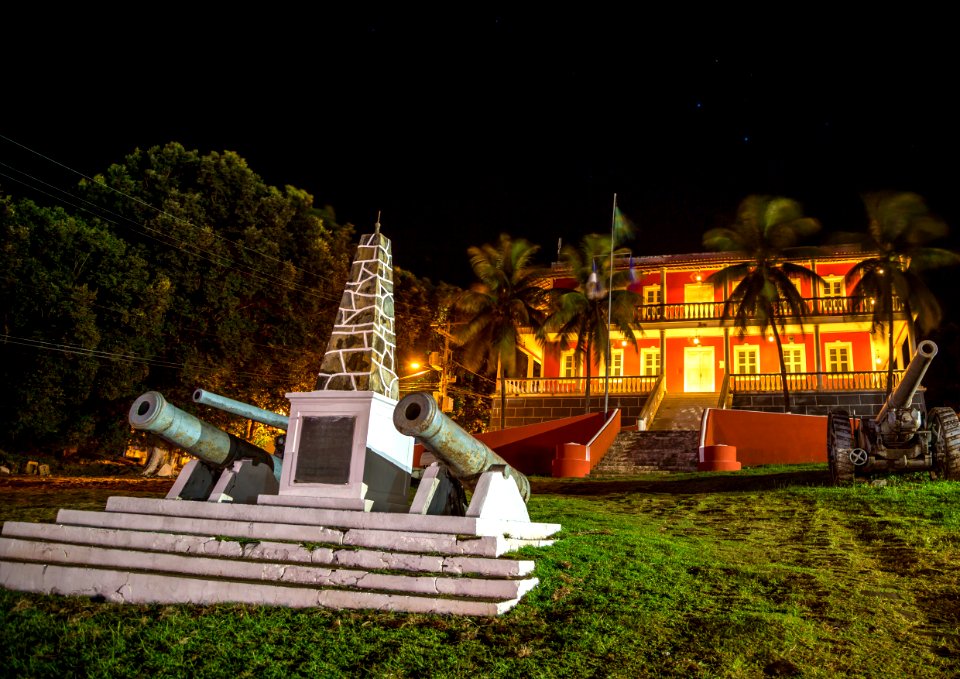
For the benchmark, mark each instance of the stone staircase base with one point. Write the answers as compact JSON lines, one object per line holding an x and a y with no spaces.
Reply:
{"x":143,"y":550}
{"x":640,"y":452}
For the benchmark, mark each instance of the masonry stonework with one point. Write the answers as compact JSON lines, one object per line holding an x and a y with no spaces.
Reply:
{"x":360,"y":352}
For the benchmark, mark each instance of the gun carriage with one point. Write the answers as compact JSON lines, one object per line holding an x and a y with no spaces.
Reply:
{"x":901,"y":437}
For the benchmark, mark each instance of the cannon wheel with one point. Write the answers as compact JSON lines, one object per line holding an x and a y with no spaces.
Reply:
{"x":839,"y":436}
{"x":945,"y":429}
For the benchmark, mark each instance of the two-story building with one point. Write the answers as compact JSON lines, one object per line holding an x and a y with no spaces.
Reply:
{"x":685,"y":347}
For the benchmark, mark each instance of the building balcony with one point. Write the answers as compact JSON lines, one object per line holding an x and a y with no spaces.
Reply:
{"x":760,"y":382}
{"x":713,"y":311}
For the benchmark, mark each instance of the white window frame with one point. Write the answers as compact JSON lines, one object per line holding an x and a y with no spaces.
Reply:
{"x":831,"y":365}
{"x":616,"y":363}
{"x":652,"y":294}
{"x":571,"y":358}
{"x":648,"y":356}
{"x":801,"y":364}
{"x":833,"y":286}
{"x":743,"y":350}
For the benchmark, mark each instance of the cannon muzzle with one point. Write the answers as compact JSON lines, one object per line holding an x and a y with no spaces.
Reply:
{"x":912,"y":377}
{"x":151,"y":412}
{"x":418,"y":415}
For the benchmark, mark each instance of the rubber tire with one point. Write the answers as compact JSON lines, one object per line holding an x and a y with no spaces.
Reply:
{"x":839,"y":437}
{"x":945,"y":439}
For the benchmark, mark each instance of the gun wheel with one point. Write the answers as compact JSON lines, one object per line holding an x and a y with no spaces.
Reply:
{"x":839,"y":444}
{"x":945,"y":437}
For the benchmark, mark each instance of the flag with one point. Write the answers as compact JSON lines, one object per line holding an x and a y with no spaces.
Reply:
{"x":623,"y":227}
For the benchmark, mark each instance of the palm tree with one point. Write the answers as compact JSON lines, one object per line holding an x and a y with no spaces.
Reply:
{"x":505,"y":299}
{"x":766,"y":232}
{"x":581,"y":312}
{"x":899,"y":227}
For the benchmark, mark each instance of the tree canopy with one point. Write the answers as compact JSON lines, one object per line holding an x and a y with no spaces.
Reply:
{"x":182,"y":270}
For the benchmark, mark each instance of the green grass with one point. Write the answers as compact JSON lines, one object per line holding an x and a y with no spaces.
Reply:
{"x":765,"y":572}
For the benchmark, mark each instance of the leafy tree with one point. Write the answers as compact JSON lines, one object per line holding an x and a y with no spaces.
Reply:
{"x":581,"y":312}
{"x":898,"y":229}
{"x":255,"y":272}
{"x":506,"y":298}
{"x":185,"y":270}
{"x":77,"y":306}
{"x":766,"y":233}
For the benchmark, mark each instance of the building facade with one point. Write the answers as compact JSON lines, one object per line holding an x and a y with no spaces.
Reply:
{"x":833,"y":354}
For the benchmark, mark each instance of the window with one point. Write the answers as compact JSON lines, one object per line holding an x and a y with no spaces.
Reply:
{"x":839,"y":357}
{"x":650,"y":361}
{"x":616,"y":362}
{"x":536,"y":368}
{"x":794,"y":358}
{"x":652,"y":294}
{"x":833,"y":286}
{"x":568,"y":364}
{"x":746,"y":359}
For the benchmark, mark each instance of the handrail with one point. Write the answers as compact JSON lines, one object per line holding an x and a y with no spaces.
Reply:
{"x":652,"y":404}
{"x":724,"y":392}
{"x":813,"y":306}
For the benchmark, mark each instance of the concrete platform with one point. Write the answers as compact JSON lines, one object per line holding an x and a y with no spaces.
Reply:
{"x":144,"y":550}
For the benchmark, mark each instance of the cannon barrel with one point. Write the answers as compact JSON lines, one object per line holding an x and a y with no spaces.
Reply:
{"x":240,"y":408}
{"x":151,"y":412}
{"x":912,"y":376}
{"x":419,"y":416}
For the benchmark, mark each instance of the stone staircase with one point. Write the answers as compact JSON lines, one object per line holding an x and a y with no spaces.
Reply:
{"x":641,"y":452}
{"x":145,"y":550}
{"x":671,"y":444}
{"x":682,"y":411}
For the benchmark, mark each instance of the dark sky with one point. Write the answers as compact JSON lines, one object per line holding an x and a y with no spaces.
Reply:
{"x":461,"y":125}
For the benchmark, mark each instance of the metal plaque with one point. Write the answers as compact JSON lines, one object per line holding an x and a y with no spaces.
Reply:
{"x":325,"y":450}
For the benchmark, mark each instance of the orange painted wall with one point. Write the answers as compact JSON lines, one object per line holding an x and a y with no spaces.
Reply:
{"x":530,"y":449}
{"x":862,"y":359}
{"x":767,"y":438}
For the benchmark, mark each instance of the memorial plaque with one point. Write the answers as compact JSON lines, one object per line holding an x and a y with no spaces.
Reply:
{"x":325,"y":450}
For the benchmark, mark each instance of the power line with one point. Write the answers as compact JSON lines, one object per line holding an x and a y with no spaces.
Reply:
{"x":164,"y":238}
{"x":113,"y":356}
{"x":148,"y":205}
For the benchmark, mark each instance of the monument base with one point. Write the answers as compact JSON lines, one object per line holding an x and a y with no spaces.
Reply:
{"x":343,"y":448}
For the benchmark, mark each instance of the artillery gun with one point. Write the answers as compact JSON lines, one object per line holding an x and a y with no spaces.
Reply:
{"x":499,"y":490}
{"x":226,"y":467}
{"x":901,"y":437}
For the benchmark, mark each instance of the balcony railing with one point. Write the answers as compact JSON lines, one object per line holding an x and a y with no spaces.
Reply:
{"x":576,"y":386}
{"x":817,"y":306}
{"x":845,"y":381}
{"x":644,"y":384}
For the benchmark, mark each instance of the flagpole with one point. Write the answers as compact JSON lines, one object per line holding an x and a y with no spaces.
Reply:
{"x":606,"y":381}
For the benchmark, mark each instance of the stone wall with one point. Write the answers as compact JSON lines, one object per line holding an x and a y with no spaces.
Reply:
{"x":856,"y":403}
{"x":535,"y":409}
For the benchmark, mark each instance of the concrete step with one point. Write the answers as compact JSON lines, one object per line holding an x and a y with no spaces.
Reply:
{"x":145,"y":550}
{"x":638,"y":452}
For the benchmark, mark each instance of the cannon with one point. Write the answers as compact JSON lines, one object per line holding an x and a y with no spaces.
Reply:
{"x":224,"y":462}
{"x":465,"y":458}
{"x":240,"y":409}
{"x":901,"y":437}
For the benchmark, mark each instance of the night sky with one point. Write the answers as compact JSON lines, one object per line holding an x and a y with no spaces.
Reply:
{"x":461,"y":125}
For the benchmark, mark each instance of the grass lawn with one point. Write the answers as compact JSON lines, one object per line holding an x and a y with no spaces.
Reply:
{"x":765,"y":572}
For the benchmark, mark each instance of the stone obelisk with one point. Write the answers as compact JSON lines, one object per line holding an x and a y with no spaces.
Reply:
{"x":343,"y":450}
{"x":361,"y":352}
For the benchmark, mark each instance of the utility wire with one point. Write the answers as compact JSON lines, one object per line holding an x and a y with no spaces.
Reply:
{"x":145,"y":204}
{"x":164,"y":238}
